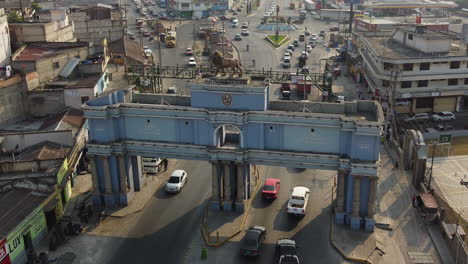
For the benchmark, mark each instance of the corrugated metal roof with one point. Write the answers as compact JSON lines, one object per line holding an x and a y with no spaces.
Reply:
{"x":69,"y":67}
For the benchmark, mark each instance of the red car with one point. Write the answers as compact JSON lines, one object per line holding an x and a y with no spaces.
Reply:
{"x":271,"y":189}
{"x":334,"y":29}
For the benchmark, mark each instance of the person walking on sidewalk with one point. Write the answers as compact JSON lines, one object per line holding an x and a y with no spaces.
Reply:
{"x":413,"y":200}
{"x":165,"y":164}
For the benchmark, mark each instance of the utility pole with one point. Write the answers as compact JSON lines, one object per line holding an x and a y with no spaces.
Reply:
{"x":390,"y":116}
{"x":351,"y":15}
{"x":432,"y":164}
{"x":277,"y":29}
{"x":222,"y":38}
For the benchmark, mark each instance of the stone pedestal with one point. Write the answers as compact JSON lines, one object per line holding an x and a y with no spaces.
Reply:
{"x":340,"y":218}
{"x":369,"y":225}
{"x":214,"y":204}
{"x":355,"y":223}
{"x":240,"y":207}
{"x":227,"y":206}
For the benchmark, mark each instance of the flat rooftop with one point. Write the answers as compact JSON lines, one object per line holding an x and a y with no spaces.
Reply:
{"x":16,"y":204}
{"x":393,"y":49}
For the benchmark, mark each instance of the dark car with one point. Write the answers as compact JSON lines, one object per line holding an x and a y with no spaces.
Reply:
{"x":296,"y":43}
{"x":286,"y":251}
{"x":334,"y":29}
{"x":253,"y":240}
{"x":285,"y":91}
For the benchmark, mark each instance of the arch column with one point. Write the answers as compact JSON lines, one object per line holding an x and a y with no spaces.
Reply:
{"x":94,"y":175}
{"x":216,"y":185}
{"x":340,"y":197}
{"x":355,"y":218}
{"x":227,"y":188}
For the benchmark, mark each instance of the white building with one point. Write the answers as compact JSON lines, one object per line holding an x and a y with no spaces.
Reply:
{"x":200,"y":8}
{"x":5,"y":50}
{"x":434,"y":69}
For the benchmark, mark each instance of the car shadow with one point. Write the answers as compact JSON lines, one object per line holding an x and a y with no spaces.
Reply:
{"x":162,"y":194}
{"x":295,"y":170}
{"x":258,"y":202}
{"x":284,"y":221}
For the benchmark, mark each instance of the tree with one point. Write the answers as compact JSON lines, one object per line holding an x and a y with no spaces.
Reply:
{"x":13,"y":17}
{"x":36,"y":7}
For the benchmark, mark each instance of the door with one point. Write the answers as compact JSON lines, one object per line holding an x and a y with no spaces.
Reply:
{"x":445,"y":104}
{"x":27,"y":241}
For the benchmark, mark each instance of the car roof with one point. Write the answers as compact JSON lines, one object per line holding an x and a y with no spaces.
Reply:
{"x":271,"y":181}
{"x":285,"y":241}
{"x":446,"y":112}
{"x":300,"y":191}
{"x":177,"y":173}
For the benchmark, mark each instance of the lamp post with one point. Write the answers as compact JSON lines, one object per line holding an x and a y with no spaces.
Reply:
{"x":277,"y":30}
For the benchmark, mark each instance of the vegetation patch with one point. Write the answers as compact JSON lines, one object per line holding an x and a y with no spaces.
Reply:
{"x":277,"y":42}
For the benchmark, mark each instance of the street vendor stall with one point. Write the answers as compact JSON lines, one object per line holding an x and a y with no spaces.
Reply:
{"x":428,"y":205}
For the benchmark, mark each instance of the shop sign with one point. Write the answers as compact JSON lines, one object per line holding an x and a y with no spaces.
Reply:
{"x":4,"y":257}
{"x":63,"y":170}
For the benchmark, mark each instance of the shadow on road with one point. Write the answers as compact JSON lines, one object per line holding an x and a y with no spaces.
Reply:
{"x":284,"y":221}
{"x":258,"y":202}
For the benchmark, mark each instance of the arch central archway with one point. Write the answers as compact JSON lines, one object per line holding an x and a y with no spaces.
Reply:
{"x":228,"y":136}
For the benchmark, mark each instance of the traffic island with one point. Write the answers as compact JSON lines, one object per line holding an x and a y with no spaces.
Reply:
{"x":355,"y":246}
{"x":277,"y":41}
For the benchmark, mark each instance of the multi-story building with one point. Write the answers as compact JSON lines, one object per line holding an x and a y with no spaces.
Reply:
{"x":200,"y":8}
{"x":95,"y":23}
{"x":57,"y":29}
{"x":433,"y":65}
{"x":5,"y":50}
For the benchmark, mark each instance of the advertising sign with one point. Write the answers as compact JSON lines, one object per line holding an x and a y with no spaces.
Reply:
{"x":4,"y":257}
{"x":63,"y":170}
{"x":356,"y":2}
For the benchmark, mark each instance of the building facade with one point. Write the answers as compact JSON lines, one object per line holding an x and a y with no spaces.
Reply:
{"x":53,"y":31}
{"x":95,"y":23}
{"x":200,"y":8}
{"x":432,"y":65}
{"x":5,"y":50}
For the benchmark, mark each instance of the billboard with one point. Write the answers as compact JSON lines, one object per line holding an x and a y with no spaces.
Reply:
{"x":4,"y":256}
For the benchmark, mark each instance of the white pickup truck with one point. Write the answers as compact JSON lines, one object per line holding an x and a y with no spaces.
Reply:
{"x":298,"y":201}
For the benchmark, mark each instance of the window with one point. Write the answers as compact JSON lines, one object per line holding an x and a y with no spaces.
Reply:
{"x":197,"y":4}
{"x":55,"y":65}
{"x":385,"y":83}
{"x":454,"y":65}
{"x":466,"y":80}
{"x":422,"y":83}
{"x":452,"y":82}
{"x":406,"y":84}
{"x":185,"y":5}
{"x":410,"y":36}
{"x":424,"y":66}
{"x":426,"y":102}
{"x":408,"y":67}
{"x":387,"y":66}
{"x":207,"y":4}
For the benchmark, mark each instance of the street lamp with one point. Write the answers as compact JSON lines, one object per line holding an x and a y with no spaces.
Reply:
{"x":277,"y":30}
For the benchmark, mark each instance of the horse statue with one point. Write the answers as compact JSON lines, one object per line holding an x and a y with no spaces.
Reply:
{"x":222,"y":63}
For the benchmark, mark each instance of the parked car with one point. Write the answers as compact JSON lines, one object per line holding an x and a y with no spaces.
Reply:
{"x":177,"y":181}
{"x":172,"y":90}
{"x":287,"y":63}
{"x":308,"y":48}
{"x":443,"y":116}
{"x":189,"y":52}
{"x":148,"y":52}
{"x":298,"y":201}
{"x":443,"y":127}
{"x":245,"y":32}
{"x":192,"y":62}
{"x":222,"y":30}
{"x":296,"y":43}
{"x":285,"y":91}
{"x":416,"y":116}
{"x":235,"y":24}
{"x":238,"y":37}
{"x":313,"y":13}
{"x":245,"y":25}
{"x":146,"y":34}
{"x":271,"y":189}
{"x":334,"y":29}
{"x":253,"y":240}
{"x":287,"y":56}
{"x":286,"y":251}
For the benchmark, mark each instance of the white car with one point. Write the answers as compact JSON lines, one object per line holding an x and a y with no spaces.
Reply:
{"x":417,"y":116}
{"x":287,"y":56}
{"x":298,"y":201}
{"x":192,"y":62}
{"x":443,"y":116}
{"x":177,"y":181}
{"x":313,"y":13}
{"x":308,"y":48}
{"x":148,"y":52}
{"x":305,"y":54}
{"x":245,"y":32}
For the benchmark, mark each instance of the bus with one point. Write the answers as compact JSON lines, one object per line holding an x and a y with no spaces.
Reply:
{"x":171,"y":39}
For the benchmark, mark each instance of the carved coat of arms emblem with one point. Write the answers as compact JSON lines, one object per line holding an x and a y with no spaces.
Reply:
{"x":227,"y":99}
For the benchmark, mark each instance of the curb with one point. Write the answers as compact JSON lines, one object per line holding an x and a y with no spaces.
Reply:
{"x":246,"y":214}
{"x":332,"y":242}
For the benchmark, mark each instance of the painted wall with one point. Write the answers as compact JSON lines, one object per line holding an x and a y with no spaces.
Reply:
{"x":26,"y":139}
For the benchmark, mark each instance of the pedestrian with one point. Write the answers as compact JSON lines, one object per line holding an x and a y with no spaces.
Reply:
{"x":165,"y":164}
{"x":116,"y":67}
{"x":413,"y":200}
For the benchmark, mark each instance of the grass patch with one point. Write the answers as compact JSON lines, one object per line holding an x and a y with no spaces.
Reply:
{"x":282,"y":39}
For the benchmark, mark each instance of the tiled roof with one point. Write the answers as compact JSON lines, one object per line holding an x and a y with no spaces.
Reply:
{"x":44,"y":150}
{"x":70,"y":116}
{"x":129,"y":48}
{"x":15,"y":205}
{"x":38,"y":50}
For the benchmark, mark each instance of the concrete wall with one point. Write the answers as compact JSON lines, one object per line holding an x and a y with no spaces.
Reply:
{"x":94,"y":31}
{"x":44,"y":103}
{"x":144,"y":98}
{"x":12,"y":93}
{"x":27,"y":139}
{"x":27,"y":166}
{"x":48,"y":72}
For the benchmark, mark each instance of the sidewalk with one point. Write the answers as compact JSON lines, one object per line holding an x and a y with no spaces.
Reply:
{"x":356,"y":246}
